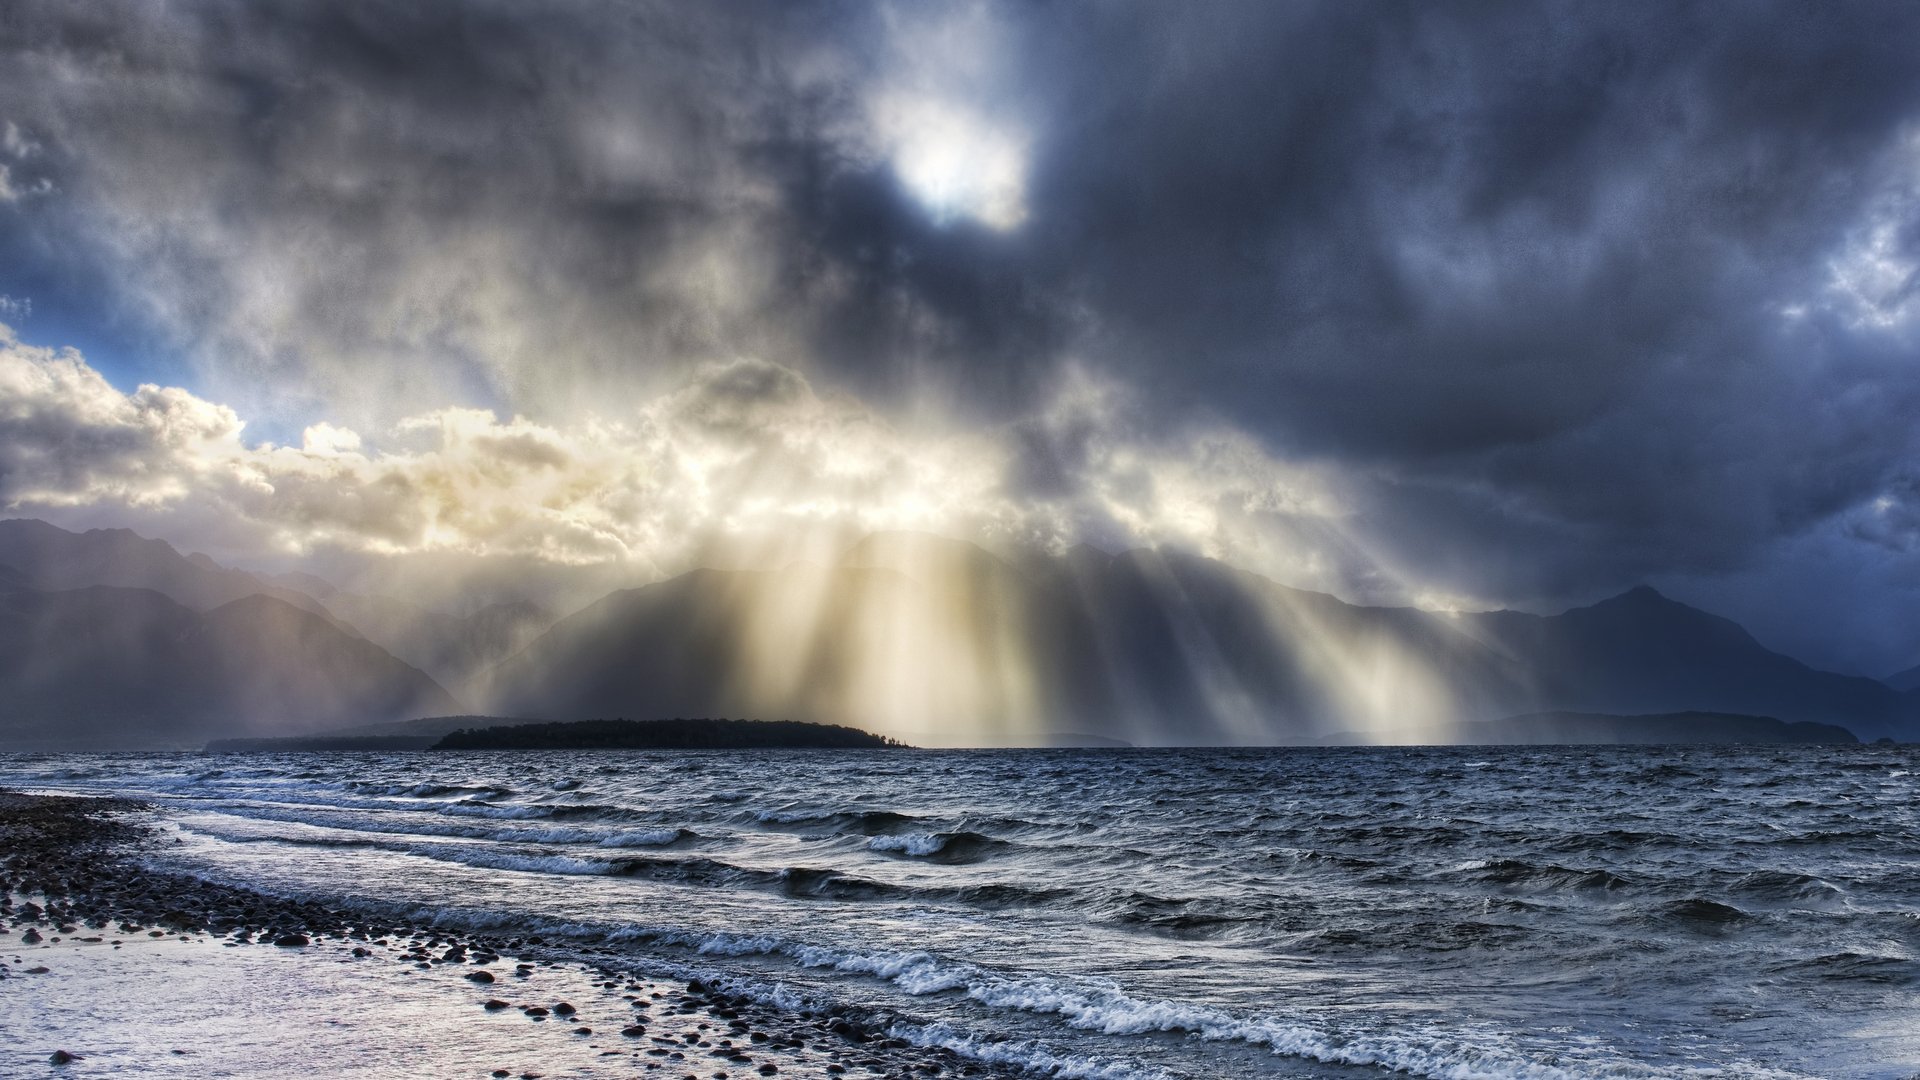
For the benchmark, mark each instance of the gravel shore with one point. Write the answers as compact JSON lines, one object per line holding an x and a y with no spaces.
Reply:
{"x":96,"y":965}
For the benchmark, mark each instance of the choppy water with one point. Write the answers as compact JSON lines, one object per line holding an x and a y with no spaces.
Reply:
{"x":1462,"y":912}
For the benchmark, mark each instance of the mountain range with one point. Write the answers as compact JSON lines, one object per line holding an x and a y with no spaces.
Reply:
{"x":1146,"y":647}
{"x":111,"y":639}
{"x":454,"y":649}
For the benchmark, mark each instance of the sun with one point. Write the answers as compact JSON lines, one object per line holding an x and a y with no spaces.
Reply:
{"x":957,"y":163}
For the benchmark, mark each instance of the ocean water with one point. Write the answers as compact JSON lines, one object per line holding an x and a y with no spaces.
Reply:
{"x":1438,"y":912}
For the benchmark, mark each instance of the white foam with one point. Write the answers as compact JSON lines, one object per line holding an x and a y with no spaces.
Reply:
{"x":487,"y":858}
{"x":790,"y":817}
{"x":1022,"y":1054}
{"x":495,"y":810}
{"x":918,"y":844}
{"x":1478,"y":1054}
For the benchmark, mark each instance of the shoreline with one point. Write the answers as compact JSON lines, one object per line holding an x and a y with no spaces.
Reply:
{"x":84,"y":925}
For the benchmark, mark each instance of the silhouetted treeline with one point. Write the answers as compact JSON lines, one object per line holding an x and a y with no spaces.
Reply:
{"x":675,"y":734}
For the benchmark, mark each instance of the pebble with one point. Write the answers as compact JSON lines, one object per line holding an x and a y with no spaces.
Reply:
{"x":69,"y":842}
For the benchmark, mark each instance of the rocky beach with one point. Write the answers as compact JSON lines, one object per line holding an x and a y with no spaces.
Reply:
{"x":1308,"y":914}
{"x":110,"y":966}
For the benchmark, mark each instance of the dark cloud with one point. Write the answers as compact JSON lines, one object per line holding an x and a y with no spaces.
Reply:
{"x":1574,"y":294}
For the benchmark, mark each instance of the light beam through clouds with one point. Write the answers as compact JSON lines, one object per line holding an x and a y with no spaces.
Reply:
{"x":1477,"y":306}
{"x":746,"y":455}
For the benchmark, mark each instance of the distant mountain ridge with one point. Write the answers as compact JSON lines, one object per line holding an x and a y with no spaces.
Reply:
{"x":1605,"y":729}
{"x":454,"y":649}
{"x":1641,"y":652}
{"x":108,"y":667}
{"x":1148,"y":647}
{"x":181,"y":705}
{"x":48,"y":558}
{"x":676,"y":734}
{"x":924,"y":638}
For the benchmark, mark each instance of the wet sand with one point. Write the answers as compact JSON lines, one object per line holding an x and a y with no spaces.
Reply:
{"x":110,"y":967}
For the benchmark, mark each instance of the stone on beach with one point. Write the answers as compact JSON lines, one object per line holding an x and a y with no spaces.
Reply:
{"x":93,"y":887}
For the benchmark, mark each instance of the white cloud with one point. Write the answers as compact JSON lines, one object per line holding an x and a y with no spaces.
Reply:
{"x":15,"y":144}
{"x":67,"y":437}
{"x":1876,"y":275}
{"x":747,"y":451}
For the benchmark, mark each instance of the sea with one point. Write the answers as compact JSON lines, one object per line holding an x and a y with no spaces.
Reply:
{"x":1459,"y":912}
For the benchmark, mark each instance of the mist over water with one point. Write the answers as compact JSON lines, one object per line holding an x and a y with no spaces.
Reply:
{"x":1456,"y":912}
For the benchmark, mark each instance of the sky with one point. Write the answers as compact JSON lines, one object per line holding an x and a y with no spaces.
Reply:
{"x":1465,"y":306}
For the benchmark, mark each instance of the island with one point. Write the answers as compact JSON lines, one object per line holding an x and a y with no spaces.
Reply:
{"x":674,"y":734}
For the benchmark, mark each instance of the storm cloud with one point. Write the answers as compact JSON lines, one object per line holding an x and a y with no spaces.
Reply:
{"x":1475,"y":304}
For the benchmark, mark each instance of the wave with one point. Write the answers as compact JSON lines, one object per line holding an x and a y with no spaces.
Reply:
{"x":1434,"y":1053}
{"x":1784,"y":886}
{"x":1518,"y":872}
{"x":865,"y":822}
{"x":538,"y":811}
{"x":944,"y":847}
{"x":1863,"y":967}
{"x":812,"y":883}
{"x":1706,"y":914}
{"x":1179,"y":916}
{"x":808,"y":883}
{"x":1026,"y":1055}
{"x":526,"y":862}
{"x":397,"y":826}
{"x":648,"y":838}
{"x":425,"y":789}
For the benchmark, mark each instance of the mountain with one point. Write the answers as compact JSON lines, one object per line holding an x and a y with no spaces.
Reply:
{"x":676,"y":734}
{"x":454,"y":649}
{"x":1641,"y":652}
{"x":1904,"y":681}
{"x":923,"y":638}
{"x":49,"y":559}
{"x":1603,"y":729}
{"x":933,"y":640}
{"x":122,"y":668}
{"x":678,"y":647}
{"x":1235,"y":658}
